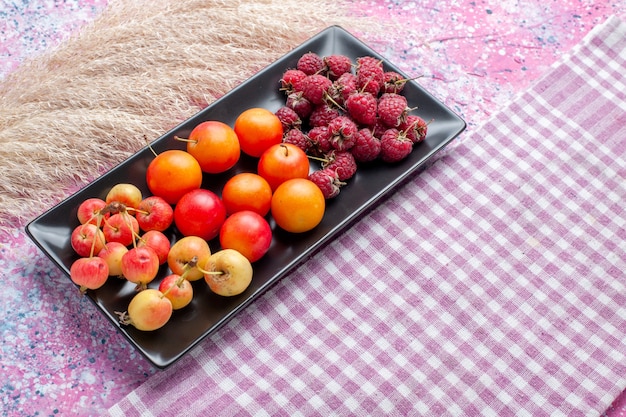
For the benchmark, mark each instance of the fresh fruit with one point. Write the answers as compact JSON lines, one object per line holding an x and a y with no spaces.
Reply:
{"x":393,"y":82}
{"x":290,"y":80}
{"x":395,"y":146}
{"x":172,"y":174}
{"x":199,"y":213}
{"x":343,"y":163}
{"x":89,"y":209}
{"x":336,"y":65}
{"x":258,"y":129}
{"x":185,"y":254}
{"x":366,"y":146}
{"x":154,"y":213}
{"x":320,"y":140}
{"x":178,"y":290}
{"x":112,"y":254}
{"x":310,"y":63}
{"x":157,"y":241}
{"x":87,"y":240}
{"x":127,"y":194}
{"x":228,"y":273}
{"x":414,"y":127}
{"x":392,"y":109}
{"x":282,"y":162}
{"x":89,"y":273}
{"x":121,"y":227}
{"x":328,"y":182}
{"x":323,"y":114}
{"x":362,"y":107}
{"x":247,"y":191}
{"x":248,"y":233}
{"x":316,"y":88}
{"x":299,"y":138}
{"x":344,"y":87}
{"x":215,"y":145}
{"x":140,"y":266}
{"x":298,"y":205}
{"x":370,"y":74}
{"x":299,"y":104}
{"x":343,"y":132}
{"x":149,"y":310}
{"x":289,"y":118}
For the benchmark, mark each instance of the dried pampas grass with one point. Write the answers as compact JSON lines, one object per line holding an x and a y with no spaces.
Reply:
{"x":140,"y":69}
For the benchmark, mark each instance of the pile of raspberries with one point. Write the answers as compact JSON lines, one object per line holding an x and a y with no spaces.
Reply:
{"x":345,"y":113}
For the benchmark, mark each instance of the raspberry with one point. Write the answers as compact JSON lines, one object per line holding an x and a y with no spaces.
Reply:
{"x":366,"y":147}
{"x":369,"y":72}
{"x":297,"y":137}
{"x":315,"y":88}
{"x":362,"y":108}
{"x":322,"y":115}
{"x":393,"y":82}
{"x":320,"y":140}
{"x":392,"y":109}
{"x":299,"y":104}
{"x":394,"y":146}
{"x":342,"y":162}
{"x":414,"y":127}
{"x":342,"y":133}
{"x":378,"y":129}
{"x":290,"y":80}
{"x":310,"y":63}
{"x":344,"y":86}
{"x":289,"y":118}
{"x":337,"y":65}
{"x":328,"y":181}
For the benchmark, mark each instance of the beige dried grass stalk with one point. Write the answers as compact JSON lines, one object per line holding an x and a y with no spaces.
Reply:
{"x":140,"y":69}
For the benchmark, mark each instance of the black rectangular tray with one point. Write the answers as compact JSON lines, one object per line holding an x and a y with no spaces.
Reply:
{"x":208,"y":312}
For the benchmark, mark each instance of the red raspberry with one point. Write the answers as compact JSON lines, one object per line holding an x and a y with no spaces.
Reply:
{"x":344,"y":86}
{"x":414,"y":127}
{"x":378,"y":129}
{"x":394,"y":146}
{"x":393,"y":82}
{"x":297,"y":137}
{"x":342,"y":162}
{"x":289,"y":118}
{"x":299,"y":104}
{"x":369,"y":72}
{"x":337,"y":65}
{"x":366,"y":147}
{"x":328,"y":181}
{"x":392,"y":109}
{"x":320,"y":140}
{"x":290,"y":80}
{"x":362,"y":108}
{"x":322,"y":115}
{"x":315,"y":88}
{"x":310,"y":63}
{"x":342,"y":133}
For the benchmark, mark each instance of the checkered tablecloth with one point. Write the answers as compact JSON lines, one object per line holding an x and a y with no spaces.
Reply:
{"x":491,"y":284}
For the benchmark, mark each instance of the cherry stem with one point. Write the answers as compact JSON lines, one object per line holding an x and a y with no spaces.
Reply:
{"x":149,"y":146}
{"x":185,"y":140}
{"x":315,"y":158}
{"x":334,"y":102}
{"x":204,"y":271}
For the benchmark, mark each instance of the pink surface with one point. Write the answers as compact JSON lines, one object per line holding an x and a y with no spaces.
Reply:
{"x":62,"y":356}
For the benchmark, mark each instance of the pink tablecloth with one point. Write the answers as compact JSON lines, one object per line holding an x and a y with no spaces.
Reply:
{"x":491,"y":284}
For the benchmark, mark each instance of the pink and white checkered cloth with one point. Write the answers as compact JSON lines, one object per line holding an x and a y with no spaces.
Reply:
{"x":491,"y":284}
